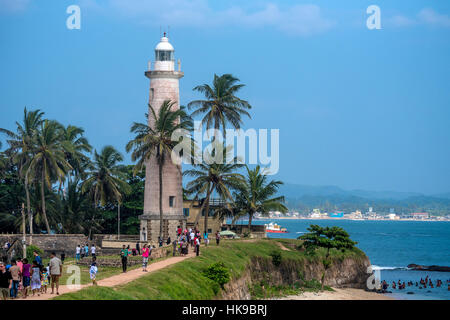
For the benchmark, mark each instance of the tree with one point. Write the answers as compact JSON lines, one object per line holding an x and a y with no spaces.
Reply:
{"x":155,"y":140}
{"x":105,"y":181}
{"x":48,"y":163}
{"x":257,"y":194}
{"x":75,"y":146}
{"x":221,"y":105}
{"x":20,"y":149}
{"x":214,"y":177}
{"x":328,"y":238}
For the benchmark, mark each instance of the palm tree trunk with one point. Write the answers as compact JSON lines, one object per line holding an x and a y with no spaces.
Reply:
{"x":250,"y":218}
{"x":44,"y":212}
{"x":207,"y":211}
{"x":160,"y":200}
{"x":30,"y":217}
{"x":118,"y":220}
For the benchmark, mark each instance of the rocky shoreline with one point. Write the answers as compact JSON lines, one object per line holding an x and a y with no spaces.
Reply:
{"x":417,"y":267}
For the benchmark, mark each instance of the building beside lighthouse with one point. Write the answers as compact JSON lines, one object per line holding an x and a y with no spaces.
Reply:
{"x":164,"y":85}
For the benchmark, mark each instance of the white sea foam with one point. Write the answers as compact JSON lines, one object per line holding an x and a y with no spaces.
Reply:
{"x":388,"y":268}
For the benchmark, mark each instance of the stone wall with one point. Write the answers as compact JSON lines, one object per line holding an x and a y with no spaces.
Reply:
{"x":156,"y":253}
{"x":59,"y":243}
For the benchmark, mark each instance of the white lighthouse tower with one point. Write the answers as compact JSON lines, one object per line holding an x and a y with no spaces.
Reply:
{"x":164,"y":85}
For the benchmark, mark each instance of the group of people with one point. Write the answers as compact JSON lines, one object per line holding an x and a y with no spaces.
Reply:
{"x":22,"y":278}
{"x":185,"y":238}
{"x":422,"y":284}
{"x":83,"y":251}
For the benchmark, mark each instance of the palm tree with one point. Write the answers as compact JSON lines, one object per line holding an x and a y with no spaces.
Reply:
{"x":74,"y":208}
{"x":221,"y":105}
{"x":106,"y":179}
{"x":155,"y":140}
{"x":48,"y":163}
{"x":214,"y":177}
{"x":20,"y":149}
{"x":257,"y":195}
{"x":75,"y":145}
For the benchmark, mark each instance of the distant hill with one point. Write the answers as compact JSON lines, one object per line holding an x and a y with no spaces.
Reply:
{"x":330,"y":198}
{"x":297,"y":190}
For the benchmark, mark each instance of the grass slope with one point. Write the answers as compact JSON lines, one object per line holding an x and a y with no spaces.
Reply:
{"x":185,"y":280}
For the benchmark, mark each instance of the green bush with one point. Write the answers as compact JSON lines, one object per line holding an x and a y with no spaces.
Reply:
{"x":30,"y":249}
{"x":276,"y":258}
{"x":218,"y":273}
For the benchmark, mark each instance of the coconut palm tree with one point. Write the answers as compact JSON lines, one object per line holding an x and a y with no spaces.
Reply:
{"x":218,"y":177}
{"x":106,"y":180}
{"x":20,"y":145}
{"x":221,"y":105}
{"x":155,"y":140}
{"x":75,"y":146}
{"x":257,"y":195}
{"x":48,"y":163}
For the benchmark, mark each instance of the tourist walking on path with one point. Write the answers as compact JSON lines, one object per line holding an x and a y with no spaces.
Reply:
{"x":78,"y":254}
{"x":174,"y":245}
{"x":36,"y":278}
{"x":55,"y":272}
{"x":145,"y":255}
{"x":86,"y":250}
{"x":5,"y":281}
{"x":205,"y":236}
{"x":197,"y":246}
{"x":37,"y":258}
{"x":45,"y":281}
{"x":138,"y":248}
{"x":93,"y":251}
{"x":15,"y":275}
{"x":124,"y":254}
{"x":26,"y":268}
{"x":217,"y":237}
{"x":93,"y":271}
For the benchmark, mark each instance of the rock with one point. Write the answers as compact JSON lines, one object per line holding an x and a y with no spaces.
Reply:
{"x":428,"y":268}
{"x":410,"y":292}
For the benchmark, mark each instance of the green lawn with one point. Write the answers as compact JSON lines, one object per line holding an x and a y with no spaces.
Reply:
{"x":103,"y":272}
{"x":185,"y":280}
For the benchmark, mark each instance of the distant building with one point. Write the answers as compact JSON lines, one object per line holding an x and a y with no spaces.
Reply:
{"x":337,"y":215}
{"x":420,"y":215}
{"x":393,"y":216}
{"x":195,"y":215}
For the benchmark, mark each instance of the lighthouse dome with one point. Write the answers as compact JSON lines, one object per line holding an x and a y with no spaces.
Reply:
{"x":164,"y":45}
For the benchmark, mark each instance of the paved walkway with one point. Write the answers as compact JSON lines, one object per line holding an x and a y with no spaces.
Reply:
{"x":116,"y":280}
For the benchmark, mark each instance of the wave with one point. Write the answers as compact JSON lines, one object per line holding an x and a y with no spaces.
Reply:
{"x":389,"y":268}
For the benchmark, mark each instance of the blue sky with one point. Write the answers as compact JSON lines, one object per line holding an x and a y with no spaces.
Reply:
{"x":356,"y":108}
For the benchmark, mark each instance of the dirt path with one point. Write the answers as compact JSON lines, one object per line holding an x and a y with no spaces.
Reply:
{"x":116,"y":280}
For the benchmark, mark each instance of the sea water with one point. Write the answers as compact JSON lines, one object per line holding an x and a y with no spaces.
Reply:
{"x":391,"y":246}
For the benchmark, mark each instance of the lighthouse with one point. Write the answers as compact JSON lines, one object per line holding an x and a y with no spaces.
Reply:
{"x":164,"y":85}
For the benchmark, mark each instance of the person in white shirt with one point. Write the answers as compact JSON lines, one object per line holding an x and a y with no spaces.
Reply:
{"x":93,"y":250}
{"x":197,"y":246}
{"x":78,"y":253}
{"x":192,"y":235}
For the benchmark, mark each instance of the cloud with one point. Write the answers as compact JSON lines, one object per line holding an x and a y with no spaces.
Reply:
{"x":426,"y":16}
{"x":300,"y":20}
{"x":431,"y":17}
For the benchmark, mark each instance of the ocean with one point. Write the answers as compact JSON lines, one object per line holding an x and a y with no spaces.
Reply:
{"x":391,"y":246}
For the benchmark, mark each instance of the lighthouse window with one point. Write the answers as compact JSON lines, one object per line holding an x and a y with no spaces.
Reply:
{"x":164,"y":55}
